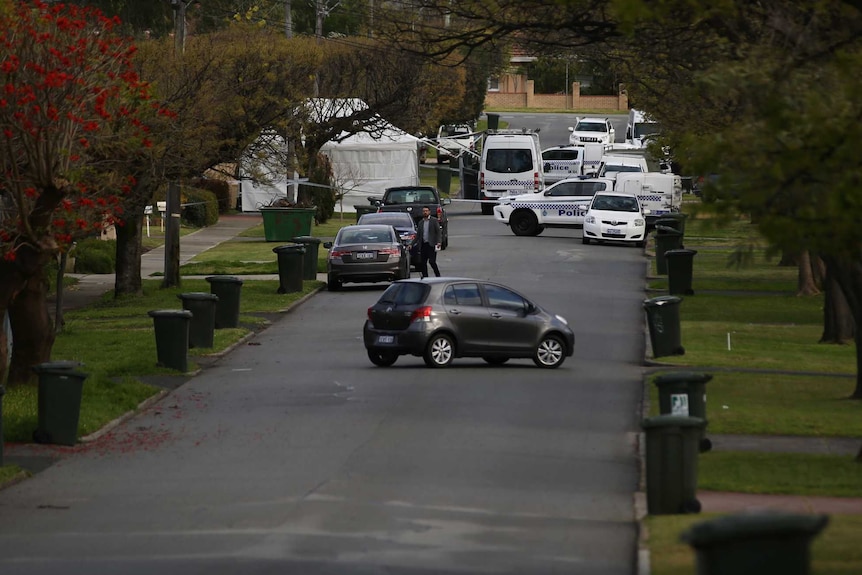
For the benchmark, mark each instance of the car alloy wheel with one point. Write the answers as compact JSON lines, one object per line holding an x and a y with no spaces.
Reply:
{"x":550,"y":352}
{"x":440,"y":351}
{"x":382,"y":359}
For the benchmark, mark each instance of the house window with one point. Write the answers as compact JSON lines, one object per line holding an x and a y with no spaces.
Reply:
{"x":493,"y":84}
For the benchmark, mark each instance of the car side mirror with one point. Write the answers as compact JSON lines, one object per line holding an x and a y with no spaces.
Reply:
{"x":327,"y":245}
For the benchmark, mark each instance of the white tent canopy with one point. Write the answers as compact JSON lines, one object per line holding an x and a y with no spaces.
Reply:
{"x":363,"y":164}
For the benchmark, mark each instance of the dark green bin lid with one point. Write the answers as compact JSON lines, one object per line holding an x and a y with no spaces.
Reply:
{"x":61,"y":365}
{"x":289,"y":248}
{"x":667,"y":230}
{"x":672,"y":421}
{"x":662,"y":300}
{"x":223,"y":279}
{"x":170,"y":313}
{"x":198,"y":295}
{"x":754,"y":524}
{"x":679,"y":252}
{"x":681,"y":377}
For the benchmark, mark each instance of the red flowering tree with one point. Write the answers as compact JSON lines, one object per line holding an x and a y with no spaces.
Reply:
{"x":71,"y":109}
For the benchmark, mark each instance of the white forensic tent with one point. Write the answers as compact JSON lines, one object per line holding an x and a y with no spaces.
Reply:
{"x":365,"y":164}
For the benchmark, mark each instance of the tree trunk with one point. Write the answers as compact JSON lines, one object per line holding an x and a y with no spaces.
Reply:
{"x":806,"y":283}
{"x":847,"y":273}
{"x":128,"y":277}
{"x":32,"y":330}
{"x":838,"y":324}
{"x":788,"y":259}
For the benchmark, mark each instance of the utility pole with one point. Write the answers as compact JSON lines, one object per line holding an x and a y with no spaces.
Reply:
{"x":173,"y":203}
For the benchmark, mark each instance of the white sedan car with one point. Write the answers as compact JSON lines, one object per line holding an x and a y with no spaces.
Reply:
{"x":592,"y":130}
{"x":615,"y":216}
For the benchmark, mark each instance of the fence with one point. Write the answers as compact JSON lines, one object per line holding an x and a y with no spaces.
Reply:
{"x":526,"y":98}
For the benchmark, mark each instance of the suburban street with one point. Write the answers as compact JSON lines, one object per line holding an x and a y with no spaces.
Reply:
{"x":296,"y":455}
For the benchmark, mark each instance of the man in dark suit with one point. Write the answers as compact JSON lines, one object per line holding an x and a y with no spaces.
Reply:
{"x":429,"y":237}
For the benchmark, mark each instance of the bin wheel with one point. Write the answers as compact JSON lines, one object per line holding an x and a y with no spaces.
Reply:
{"x":679,"y":351}
{"x":690,"y":506}
{"x":705,"y":445}
{"x":40,"y":436}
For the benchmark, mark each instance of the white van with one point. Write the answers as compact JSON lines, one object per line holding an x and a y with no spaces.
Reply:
{"x":639,"y":128}
{"x":511,"y":165}
{"x":613,"y":165}
{"x":561,"y":162}
{"x":658,"y":193}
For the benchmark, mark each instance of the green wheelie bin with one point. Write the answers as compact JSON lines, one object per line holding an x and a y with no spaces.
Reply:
{"x":171,"y":327}
{"x":671,"y":464}
{"x":666,"y":239}
{"x":61,"y":386}
{"x":309,"y":262}
{"x":291,"y":259}
{"x":228,"y":289}
{"x":680,"y":265}
{"x":663,"y":322}
{"x":684,"y":393}
{"x":202,"y":325}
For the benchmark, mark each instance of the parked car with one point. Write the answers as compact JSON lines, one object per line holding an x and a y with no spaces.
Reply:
{"x":440,"y":319}
{"x":615,"y":216}
{"x":403,"y":224}
{"x":366,"y":253}
{"x":591,"y":130}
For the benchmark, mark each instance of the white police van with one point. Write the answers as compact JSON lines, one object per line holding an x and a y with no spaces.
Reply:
{"x":511,"y":164}
{"x":659,"y":193}
{"x":561,"y":205}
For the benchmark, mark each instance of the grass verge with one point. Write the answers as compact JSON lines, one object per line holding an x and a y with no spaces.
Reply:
{"x":116,"y":365}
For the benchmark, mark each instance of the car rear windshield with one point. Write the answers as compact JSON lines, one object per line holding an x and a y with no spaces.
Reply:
{"x":509,"y":160}
{"x":407,"y":293}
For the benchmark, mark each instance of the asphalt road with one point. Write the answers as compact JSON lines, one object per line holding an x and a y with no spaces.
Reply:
{"x":295,"y":455}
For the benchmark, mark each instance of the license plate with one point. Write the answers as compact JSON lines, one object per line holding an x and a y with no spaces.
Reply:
{"x":365,"y":255}
{"x":614,"y":232}
{"x":385,"y":339}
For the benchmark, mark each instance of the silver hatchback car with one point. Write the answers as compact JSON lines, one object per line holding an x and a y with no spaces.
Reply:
{"x":440,"y":319}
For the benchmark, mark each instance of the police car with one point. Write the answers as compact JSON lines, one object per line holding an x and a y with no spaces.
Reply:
{"x":561,"y":162}
{"x":562,"y":205}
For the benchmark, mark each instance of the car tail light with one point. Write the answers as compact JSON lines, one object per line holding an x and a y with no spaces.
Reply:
{"x":421,"y":314}
{"x":389,"y":251}
{"x":481,"y":180}
{"x":536,"y":181}
{"x":439,"y":213}
{"x":368,"y":313}
{"x":338,"y":253}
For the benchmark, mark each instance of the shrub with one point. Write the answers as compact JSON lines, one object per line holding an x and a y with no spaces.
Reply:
{"x":220,"y":188}
{"x":200,"y":207}
{"x":95,"y":256}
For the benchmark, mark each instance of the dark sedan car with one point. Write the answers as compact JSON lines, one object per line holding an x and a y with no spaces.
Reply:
{"x":403,"y":224}
{"x":366,"y":253}
{"x":440,"y":319}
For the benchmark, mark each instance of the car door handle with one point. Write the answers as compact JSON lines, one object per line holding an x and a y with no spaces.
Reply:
{"x":455,"y":311}
{"x":496,"y":315}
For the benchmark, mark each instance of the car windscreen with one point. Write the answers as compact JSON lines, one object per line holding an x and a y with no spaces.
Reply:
{"x":646,"y":129}
{"x":407,"y":293}
{"x":615,"y":204}
{"x":591,"y":127}
{"x":509,"y":160}
{"x":611,"y":168}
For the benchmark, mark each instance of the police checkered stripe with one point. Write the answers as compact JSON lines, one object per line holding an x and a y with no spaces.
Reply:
{"x":651,"y":198}
{"x":592,"y":162}
{"x":547,"y":206}
{"x":510,"y":184}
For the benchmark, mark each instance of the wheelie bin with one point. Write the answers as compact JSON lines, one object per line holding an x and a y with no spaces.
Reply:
{"x":228,"y":289}
{"x":290,"y":263}
{"x":171,"y":327}
{"x":680,"y":264}
{"x":666,"y":239}
{"x":663,"y":322}
{"x":675,"y":220}
{"x":59,"y":402}
{"x":671,"y":464}
{"x":309,"y":262}
{"x":684,"y":393}
{"x":754,"y":543}
{"x":202,"y":325}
